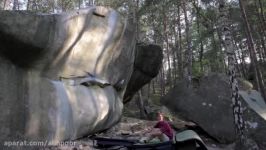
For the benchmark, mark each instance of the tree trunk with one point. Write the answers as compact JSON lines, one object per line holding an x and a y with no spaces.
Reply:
{"x":162,"y":82}
{"x":221,"y":50}
{"x":174,"y":52}
{"x":237,"y":56}
{"x":142,"y":110}
{"x":153,"y":86}
{"x":237,"y":66}
{"x":4,"y":5}
{"x":201,"y":55}
{"x":15,"y":4}
{"x":262,"y":32}
{"x":263,"y":47}
{"x":149,"y":90}
{"x":137,"y":19}
{"x":252,"y":51}
{"x":260,"y":52}
{"x":188,"y":65}
{"x":28,"y":5}
{"x":180,"y":56}
{"x":167,"y":48}
{"x":199,"y":34}
{"x":229,"y":48}
{"x":262,"y":14}
{"x":241,"y":59}
{"x":54,"y":6}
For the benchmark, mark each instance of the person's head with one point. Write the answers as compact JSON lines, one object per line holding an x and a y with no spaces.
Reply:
{"x":160,"y":116}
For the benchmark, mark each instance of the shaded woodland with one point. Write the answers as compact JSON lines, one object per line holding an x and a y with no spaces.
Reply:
{"x":198,"y":37}
{"x":188,"y":31}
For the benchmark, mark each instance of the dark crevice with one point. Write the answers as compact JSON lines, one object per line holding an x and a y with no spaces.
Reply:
{"x":20,"y":53}
{"x":97,"y":14}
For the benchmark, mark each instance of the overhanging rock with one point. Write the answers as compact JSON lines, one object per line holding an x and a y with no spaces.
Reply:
{"x":147,"y":64}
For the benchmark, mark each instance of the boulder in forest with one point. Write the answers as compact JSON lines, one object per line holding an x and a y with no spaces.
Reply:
{"x":147,"y":64}
{"x":63,"y":76}
{"x":209,"y":105}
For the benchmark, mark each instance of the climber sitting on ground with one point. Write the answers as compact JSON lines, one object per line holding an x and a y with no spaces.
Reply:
{"x":162,"y":130}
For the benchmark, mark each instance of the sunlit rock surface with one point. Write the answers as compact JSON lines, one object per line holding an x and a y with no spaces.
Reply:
{"x":63,"y":76}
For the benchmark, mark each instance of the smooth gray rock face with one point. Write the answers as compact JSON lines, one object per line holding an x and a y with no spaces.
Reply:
{"x":63,"y":76}
{"x":209,"y":105}
{"x":147,"y":65}
{"x":255,"y":116}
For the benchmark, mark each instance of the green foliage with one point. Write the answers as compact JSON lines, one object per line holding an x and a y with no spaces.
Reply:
{"x":196,"y":68}
{"x":158,"y":19}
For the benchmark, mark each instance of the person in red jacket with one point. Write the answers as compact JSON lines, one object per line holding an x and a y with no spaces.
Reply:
{"x":162,"y":130}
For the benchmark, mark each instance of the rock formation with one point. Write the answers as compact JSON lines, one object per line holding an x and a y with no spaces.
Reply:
{"x":147,"y":65}
{"x":209,"y":105}
{"x":63,"y":76}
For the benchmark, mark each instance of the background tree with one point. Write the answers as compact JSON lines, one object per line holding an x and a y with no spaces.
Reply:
{"x":229,"y":48}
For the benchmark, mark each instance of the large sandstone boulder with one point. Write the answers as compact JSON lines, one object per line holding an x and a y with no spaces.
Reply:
{"x":209,"y":105}
{"x":63,"y":76}
{"x":146,"y":66}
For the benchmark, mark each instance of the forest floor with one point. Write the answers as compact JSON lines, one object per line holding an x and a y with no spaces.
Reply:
{"x":129,"y":126}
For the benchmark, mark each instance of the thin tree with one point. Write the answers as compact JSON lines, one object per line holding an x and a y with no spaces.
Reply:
{"x":140,"y":102}
{"x":15,"y":4}
{"x":165,"y":25}
{"x":229,"y":49}
{"x":199,"y":34}
{"x":4,"y":5}
{"x":262,"y":14}
{"x":79,"y":3}
{"x":28,"y":5}
{"x":180,"y":56}
{"x":162,"y":81}
{"x":188,"y":65}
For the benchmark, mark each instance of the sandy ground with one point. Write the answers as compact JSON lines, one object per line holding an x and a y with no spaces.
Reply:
{"x":130,"y":126}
